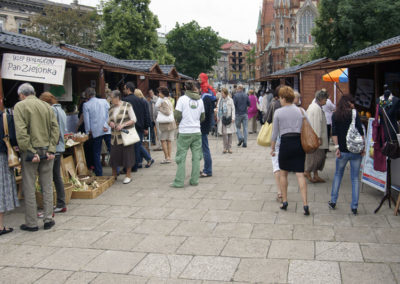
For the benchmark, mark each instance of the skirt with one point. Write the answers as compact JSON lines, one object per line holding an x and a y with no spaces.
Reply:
{"x":291,"y":154}
{"x":315,"y":161}
{"x":122,"y":156}
{"x":8,"y":187}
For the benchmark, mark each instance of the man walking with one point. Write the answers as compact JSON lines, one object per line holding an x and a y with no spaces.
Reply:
{"x":242,"y":103}
{"x":141,"y":109}
{"x":95,"y":115}
{"x":37,"y":136}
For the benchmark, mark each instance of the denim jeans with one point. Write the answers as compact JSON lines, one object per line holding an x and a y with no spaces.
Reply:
{"x":58,"y":181}
{"x":355,"y":163}
{"x":206,"y":155}
{"x":140,"y":152}
{"x":97,"y":143}
{"x":241,"y":119}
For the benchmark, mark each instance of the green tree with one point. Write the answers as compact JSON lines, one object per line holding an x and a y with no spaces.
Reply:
{"x":162,"y":55}
{"x":301,"y":58}
{"x":251,"y":62}
{"x":345,"y":26}
{"x":73,"y":26}
{"x":195,"y":48}
{"x":129,"y":30}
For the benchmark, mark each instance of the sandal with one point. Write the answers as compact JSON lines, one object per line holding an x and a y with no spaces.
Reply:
{"x":6,"y":231}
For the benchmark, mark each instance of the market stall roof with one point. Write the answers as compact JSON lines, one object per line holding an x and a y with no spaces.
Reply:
{"x":167,"y":68}
{"x":35,"y":46}
{"x":146,"y":65}
{"x":291,"y":71}
{"x":103,"y":57}
{"x":372,"y":50}
{"x":185,"y":77}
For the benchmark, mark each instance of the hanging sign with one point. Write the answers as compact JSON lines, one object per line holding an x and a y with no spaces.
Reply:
{"x":33,"y":68}
{"x":370,"y":176}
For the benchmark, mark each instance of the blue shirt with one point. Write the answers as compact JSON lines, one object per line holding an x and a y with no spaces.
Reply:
{"x":62,"y":125}
{"x":95,"y":115}
{"x":242,"y":102}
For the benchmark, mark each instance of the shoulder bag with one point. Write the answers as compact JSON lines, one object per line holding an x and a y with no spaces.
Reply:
{"x":265,"y":135}
{"x":309,"y":140}
{"x":13,"y":159}
{"x":162,"y":118}
{"x":391,"y":148}
{"x":354,"y":141}
{"x":131,"y":136}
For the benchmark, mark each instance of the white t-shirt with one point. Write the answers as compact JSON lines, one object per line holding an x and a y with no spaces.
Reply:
{"x":191,"y":112}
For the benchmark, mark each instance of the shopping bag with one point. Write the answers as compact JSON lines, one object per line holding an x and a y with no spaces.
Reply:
{"x":264,"y":137}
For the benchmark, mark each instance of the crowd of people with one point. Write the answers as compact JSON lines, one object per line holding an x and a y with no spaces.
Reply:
{"x":38,"y":125}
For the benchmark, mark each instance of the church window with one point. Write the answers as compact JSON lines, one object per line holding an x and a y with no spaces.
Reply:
{"x":305,"y":26}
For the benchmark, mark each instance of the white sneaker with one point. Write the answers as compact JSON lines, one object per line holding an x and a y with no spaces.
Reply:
{"x":127,"y":180}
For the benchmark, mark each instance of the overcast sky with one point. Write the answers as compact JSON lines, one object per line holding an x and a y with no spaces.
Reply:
{"x":232,"y":19}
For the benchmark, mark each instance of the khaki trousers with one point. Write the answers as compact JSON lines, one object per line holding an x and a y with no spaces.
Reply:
{"x":29,"y":172}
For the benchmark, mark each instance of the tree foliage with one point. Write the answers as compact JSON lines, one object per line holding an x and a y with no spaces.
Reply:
{"x":345,"y":26}
{"x":251,"y":62}
{"x":195,"y":48}
{"x":301,"y":58}
{"x":163,"y":56}
{"x":73,"y":26}
{"x":130,"y":30}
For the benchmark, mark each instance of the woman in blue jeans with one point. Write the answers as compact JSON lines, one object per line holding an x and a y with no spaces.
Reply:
{"x":341,"y":121}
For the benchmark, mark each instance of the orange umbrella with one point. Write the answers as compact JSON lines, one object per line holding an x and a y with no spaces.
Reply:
{"x":339,"y":76}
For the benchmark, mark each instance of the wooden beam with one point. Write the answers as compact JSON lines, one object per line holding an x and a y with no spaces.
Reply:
{"x":88,"y":70}
{"x":1,"y":92}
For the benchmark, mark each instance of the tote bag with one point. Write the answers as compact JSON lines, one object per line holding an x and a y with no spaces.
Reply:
{"x":162,"y":118}
{"x":12,"y":156}
{"x":264,"y":137}
{"x":132,"y":136}
{"x":309,"y":140}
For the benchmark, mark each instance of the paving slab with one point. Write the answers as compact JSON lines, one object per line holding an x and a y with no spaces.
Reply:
{"x":107,"y":278}
{"x":262,"y":271}
{"x":194,"y":228}
{"x":26,"y":256}
{"x":156,"y":227}
{"x":257,"y":217}
{"x":187,"y":214}
{"x":81,"y":277}
{"x":366,"y":273}
{"x":160,"y":244}
{"x":118,"y":241}
{"x":240,"y":230}
{"x":291,"y":249}
{"x":20,"y":275}
{"x":272,"y":232}
{"x":82,"y":239}
{"x":381,"y":252}
{"x":54,"y":276}
{"x":162,"y":266}
{"x":246,"y":248}
{"x":311,"y":233}
{"x":308,"y":271}
{"x":202,"y":246}
{"x":355,"y":234}
{"x":338,"y":251}
{"x":388,"y":235}
{"x":114,"y":262}
{"x":221,"y":216}
{"x":211,"y":268}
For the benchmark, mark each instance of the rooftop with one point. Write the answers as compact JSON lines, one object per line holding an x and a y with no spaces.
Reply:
{"x":23,"y":43}
{"x":145,"y":65}
{"x":371,"y":50}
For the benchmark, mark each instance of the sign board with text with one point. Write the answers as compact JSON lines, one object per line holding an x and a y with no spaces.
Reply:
{"x":33,"y":68}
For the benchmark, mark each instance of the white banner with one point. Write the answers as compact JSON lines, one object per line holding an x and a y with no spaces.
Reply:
{"x":33,"y":68}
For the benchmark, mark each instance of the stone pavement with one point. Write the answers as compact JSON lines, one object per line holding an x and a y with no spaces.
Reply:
{"x":227,"y":229}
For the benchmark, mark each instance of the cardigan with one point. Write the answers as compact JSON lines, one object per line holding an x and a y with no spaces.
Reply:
{"x":317,"y":119}
{"x":116,"y":135}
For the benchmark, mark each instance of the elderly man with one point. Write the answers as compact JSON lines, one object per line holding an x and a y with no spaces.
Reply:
{"x":37,"y":136}
{"x":242,"y":103}
{"x":95,"y":116}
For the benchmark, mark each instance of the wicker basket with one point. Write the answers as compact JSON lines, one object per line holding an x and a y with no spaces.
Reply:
{"x":68,"y":192}
{"x":80,"y":139}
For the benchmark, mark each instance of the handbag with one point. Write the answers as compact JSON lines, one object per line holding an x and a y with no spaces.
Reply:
{"x":309,"y":140}
{"x":391,"y":148}
{"x":354,"y":141}
{"x":265,"y":135}
{"x":162,"y":118}
{"x":12,"y":156}
{"x":132,"y":136}
{"x":226,"y":120}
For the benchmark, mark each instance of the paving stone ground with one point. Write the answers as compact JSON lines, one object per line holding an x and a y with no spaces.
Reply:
{"x":227,"y":229}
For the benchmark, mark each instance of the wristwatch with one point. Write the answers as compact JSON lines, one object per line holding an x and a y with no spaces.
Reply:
{"x":336,"y":147}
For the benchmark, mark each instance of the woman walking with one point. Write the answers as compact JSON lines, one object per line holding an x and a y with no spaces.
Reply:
{"x":8,"y":187}
{"x":188,"y":113}
{"x":252,"y":112}
{"x":287,"y":124}
{"x":166,"y":122}
{"x":316,"y":161}
{"x":60,"y":149}
{"x":226,"y":120}
{"x":121,"y":116}
{"x":268,"y":118}
{"x":341,"y":121}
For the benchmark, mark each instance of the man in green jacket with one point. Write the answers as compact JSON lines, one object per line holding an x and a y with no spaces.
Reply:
{"x":37,"y":136}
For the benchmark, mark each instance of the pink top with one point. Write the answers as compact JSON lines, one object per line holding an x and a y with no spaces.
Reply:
{"x":252,"y":111}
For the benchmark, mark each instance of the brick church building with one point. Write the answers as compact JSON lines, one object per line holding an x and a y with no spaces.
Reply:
{"x":283,"y":31}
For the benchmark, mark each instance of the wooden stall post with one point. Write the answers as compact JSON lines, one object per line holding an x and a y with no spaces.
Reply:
{"x":102,"y":84}
{"x":1,"y":92}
